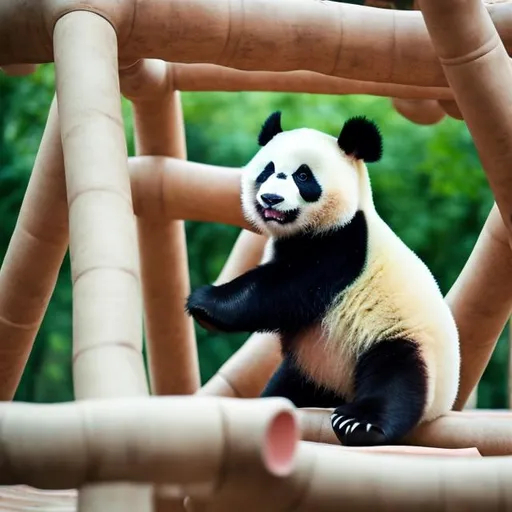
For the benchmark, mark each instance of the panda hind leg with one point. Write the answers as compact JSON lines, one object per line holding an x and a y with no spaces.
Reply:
{"x":390,"y":396}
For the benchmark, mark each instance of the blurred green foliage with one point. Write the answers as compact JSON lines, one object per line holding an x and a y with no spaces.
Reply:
{"x":429,"y":187}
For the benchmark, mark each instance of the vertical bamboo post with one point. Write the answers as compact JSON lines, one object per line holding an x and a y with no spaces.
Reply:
{"x":170,"y":336}
{"x":107,"y":319}
{"x":33,"y":259}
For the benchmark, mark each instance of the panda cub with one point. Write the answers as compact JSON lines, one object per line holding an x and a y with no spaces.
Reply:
{"x":364,"y":328}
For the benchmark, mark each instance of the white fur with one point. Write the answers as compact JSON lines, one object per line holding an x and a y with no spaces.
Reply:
{"x":288,"y":151}
{"x":396,"y":292}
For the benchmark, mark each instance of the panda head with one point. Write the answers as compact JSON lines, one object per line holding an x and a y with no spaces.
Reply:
{"x":304,"y":180}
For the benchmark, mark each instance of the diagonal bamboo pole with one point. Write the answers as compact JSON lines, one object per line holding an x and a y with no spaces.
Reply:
{"x":107,"y":340}
{"x":33,"y":259}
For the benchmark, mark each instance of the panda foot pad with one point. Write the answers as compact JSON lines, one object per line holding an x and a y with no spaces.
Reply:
{"x":352,"y":431}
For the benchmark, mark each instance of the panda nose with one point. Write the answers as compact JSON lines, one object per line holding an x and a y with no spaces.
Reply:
{"x":271,"y":199}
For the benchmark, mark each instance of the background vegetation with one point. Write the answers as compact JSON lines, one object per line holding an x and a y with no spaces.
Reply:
{"x":429,"y":187}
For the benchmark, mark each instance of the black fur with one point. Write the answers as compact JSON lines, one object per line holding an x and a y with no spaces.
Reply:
{"x":271,"y":127}
{"x":305,"y":180}
{"x":281,"y":176}
{"x":290,"y":292}
{"x":361,"y":139}
{"x":266,"y":173}
{"x":390,"y":395}
{"x":289,"y":382}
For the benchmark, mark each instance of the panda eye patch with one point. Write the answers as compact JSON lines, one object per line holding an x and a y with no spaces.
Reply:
{"x":303,"y":173}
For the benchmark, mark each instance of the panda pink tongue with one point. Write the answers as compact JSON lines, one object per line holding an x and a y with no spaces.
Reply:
{"x":273,"y":214}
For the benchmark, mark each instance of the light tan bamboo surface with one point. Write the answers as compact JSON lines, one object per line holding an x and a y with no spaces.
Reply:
{"x":211,"y":77}
{"x":33,"y":259}
{"x":161,"y":188}
{"x":425,"y":111}
{"x":489,"y":433}
{"x":189,"y":442}
{"x":246,"y":372}
{"x":322,"y":37}
{"x":481,"y":302}
{"x":478,"y":69}
{"x":159,"y":130}
{"x":170,"y":336}
{"x":107,"y":309}
{"x":327,"y":477}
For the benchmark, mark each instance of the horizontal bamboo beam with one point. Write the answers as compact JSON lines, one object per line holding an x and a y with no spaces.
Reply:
{"x":210,"y":77}
{"x":185,"y":441}
{"x":489,"y":433}
{"x":342,"y":40}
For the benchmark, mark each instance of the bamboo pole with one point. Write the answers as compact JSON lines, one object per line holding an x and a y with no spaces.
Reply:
{"x":170,"y":336}
{"x":127,"y":439}
{"x":33,"y":259}
{"x":107,"y":341}
{"x":478,"y":69}
{"x":211,"y":77}
{"x":425,"y":111}
{"x":170,"y":333}
{"x":489,"y":433}
{"x":370,"y":481}
{"x":391,"y":46}
{"x":161,"y":186}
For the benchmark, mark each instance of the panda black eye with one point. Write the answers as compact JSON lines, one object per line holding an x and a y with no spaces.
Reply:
{"x":303,"y":173}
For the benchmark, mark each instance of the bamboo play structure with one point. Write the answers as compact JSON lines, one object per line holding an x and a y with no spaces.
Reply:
{"x":133,"y":442}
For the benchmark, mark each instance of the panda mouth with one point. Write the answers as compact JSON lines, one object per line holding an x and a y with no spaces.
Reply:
{"x":272,"y":215}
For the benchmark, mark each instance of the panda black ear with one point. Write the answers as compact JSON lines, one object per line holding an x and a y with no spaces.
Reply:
{"x":361,"y":139}
{"x":271,"y":127}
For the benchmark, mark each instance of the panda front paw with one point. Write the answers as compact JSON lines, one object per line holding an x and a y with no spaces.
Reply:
{"x":203,"y":306}
{"x":352,"y":430}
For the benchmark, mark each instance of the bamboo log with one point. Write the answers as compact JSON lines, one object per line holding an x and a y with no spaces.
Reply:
{"x":107,"y":340}
{"x":33,"y":259}
{"x":161,"y":190}
{"x":426,"y":111}
{"x":172,"y":350}
{"x":478,"y":69}
{"x":481,"y":302}
{"x":128,"y":439}
{"x":489,"y":433}
{"x":211,"y":77}
{"x":327,"y":476}
{"x":170,"y":336}
{"x":322,"y":37}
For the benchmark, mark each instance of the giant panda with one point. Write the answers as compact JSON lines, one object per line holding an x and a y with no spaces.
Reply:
{"x":364,"y":328}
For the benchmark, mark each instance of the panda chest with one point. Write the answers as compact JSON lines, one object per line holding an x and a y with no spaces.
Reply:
{"x":325,"y":365}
